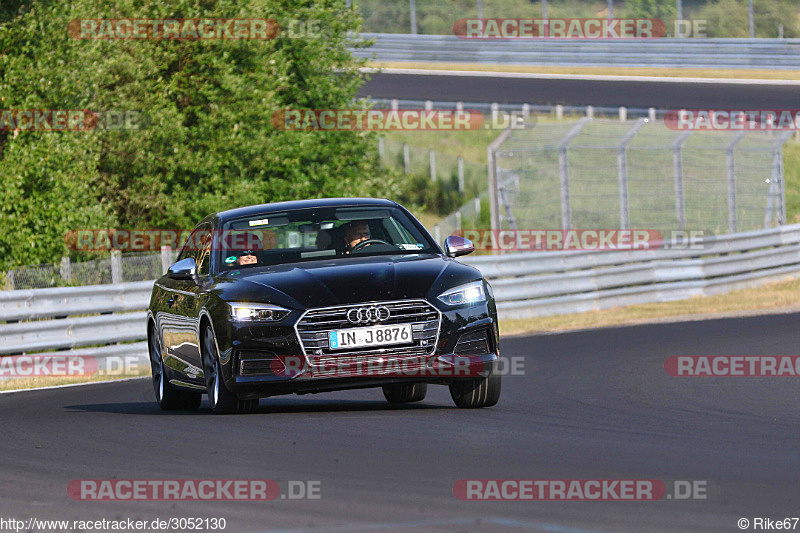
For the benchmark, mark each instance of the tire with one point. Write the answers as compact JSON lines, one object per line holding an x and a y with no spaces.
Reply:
{"x":405,"y":392}
{"x":168,"y":397}
{"x":222,"y":400}
{"x":476,"y":393}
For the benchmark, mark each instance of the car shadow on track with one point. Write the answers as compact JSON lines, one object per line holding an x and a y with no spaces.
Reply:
{"x":266,"y":406}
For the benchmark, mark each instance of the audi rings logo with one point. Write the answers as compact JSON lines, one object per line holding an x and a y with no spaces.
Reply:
{"x":365,"y":315}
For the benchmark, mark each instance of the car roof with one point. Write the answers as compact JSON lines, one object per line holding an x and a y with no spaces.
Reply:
{"x":239,"y":212}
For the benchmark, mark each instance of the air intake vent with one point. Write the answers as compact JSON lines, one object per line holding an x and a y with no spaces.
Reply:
{"x":473,"y":343}
{"x":258,"y":364}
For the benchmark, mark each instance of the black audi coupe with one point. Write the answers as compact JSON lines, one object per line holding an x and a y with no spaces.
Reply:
{"x":320,"y":295}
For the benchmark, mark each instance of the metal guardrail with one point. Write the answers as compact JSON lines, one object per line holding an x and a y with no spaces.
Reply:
{"x":547,"y":283}
{"x":525,"y":285}
{"x":662,"y":53}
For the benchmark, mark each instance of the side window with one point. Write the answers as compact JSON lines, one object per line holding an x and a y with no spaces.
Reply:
{"x":198,"y":247}
{"x":204,"y":253}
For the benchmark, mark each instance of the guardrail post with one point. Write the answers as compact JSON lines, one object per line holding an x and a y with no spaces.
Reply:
{"x":732,"y":219}
{"x":651,"y":114}
{"x":116,"y":267}
{"x":622,"y":167}
{"x":563,"y":172}
{"x":428,"y":105}
{"x":166,"y":258}
{"x":65,"y":269}
{"x":526,"y":112}
{"x":623,"y":113}
{"x":590,"y":111}
{"x":406,"y":159}
{"x":460,"y":174}
{"x":559,"y":112}
{"x":432,"y":161}
{"x":677,"y":171}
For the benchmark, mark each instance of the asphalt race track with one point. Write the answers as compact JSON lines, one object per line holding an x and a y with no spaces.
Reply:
{"x":643,"y":94}
{"x":591,"y":405}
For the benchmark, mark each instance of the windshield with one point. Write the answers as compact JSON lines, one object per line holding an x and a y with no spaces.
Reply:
{"x":319,"y":233}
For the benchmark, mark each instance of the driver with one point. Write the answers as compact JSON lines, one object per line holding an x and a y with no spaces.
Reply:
{"x":356,"y":232}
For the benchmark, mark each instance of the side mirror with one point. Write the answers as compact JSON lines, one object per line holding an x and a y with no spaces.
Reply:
{"x":183,"y":269}
{"x":455,"y":246}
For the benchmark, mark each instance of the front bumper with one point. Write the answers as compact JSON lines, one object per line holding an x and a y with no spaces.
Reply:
{"x":268,"y":360}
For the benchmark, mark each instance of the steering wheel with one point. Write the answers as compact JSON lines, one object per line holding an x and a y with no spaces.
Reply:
{"x":368,"y":242}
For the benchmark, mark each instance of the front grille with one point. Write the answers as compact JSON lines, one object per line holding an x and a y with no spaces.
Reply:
{"x":313,"y":330}
{"x":473,"y":343}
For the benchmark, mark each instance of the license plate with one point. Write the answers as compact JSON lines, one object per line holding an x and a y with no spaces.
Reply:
{"x":371,"y":336}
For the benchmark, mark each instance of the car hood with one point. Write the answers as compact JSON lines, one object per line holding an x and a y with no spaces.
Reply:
{"x":347,"y":280}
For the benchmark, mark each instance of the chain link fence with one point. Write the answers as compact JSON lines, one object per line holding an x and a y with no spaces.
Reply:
{"x":117,"y":268}
{"x":639,"y":174}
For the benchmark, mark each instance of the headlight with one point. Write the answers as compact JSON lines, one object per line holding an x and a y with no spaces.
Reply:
{"x":258,"y":312}
{"x":464,"y":294}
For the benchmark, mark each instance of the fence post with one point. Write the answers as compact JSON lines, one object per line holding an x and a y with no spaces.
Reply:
{"x":432,"y":161}
{"x":651,"y":114}
{"x":559,"y":112}
{"x":491,"y":166}
{"x":776,"y":184}
{"x":406,"y":159}
{"x":460,"y":174}
{"x":437,"y":234}
{"x":65,"y":270}
{"x":590,"y":111}
{"x":477,"y":208}
{"x":732,"y":222}
{"x":380,"y":151}
{"x":412,"y":4}
{"x":395,"y":104}
{"x":563,"y":172}
{"x":166,"y":258}
{"x":495,"y":112}
{"x":623,"y":113}
{"x":116,"y":267}
{"x":428,"y":105}
{"x":10,"y":279}
{"x":622,"y":167}
{"x":458,"y":220}
{"x":526,"y":112}
{"x":677,"y":171}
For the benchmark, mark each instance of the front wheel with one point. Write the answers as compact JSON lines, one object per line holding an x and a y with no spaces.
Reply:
{"x":169,"y":398}
{"x":222,"y":400}
{"x":476,"y":393}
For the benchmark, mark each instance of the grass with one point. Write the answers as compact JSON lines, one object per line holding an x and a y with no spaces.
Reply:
{"x":769,"y":298}
{"x":38,"y":382}
{"x":605,"y":71}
